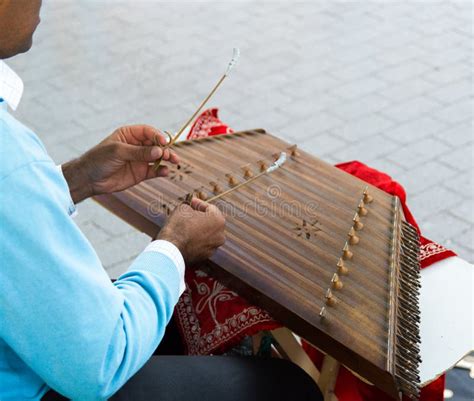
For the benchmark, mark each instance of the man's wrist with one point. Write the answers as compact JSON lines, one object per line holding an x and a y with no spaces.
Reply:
{"x":168,"y":236}
{"x":77,"y":179}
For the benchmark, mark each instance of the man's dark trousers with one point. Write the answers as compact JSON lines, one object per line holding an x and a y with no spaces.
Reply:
{"x":216,"y":378}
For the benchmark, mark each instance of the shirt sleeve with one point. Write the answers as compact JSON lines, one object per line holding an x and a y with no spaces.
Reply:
{"x":84,"y":336}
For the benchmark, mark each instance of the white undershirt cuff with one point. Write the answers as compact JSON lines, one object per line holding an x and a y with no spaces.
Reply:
{"x":170,"y":250}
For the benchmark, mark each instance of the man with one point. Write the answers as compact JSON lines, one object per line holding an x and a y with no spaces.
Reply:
{"x":64,"y":327}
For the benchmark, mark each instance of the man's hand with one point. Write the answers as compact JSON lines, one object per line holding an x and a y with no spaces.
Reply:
{"x":197,"y":230}
{"x":118,"y":162}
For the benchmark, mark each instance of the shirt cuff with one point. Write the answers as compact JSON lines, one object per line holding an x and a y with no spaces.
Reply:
{"x":72,"y":207}
{"x":170,"y":250}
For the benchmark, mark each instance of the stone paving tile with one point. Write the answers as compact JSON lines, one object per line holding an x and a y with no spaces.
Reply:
{"x":453,"y":228}
{"x":94,"y":233}
{"x":88,"y":210}
{"x":388,"y":167}
{"x":359,"y":88}
{"x":116,"y":269}
{"x":111,"y":252}
{"x":445,"y":75}
{"x":388,"y":83}
{"x":448,"y":56}
{"x":62,"y":152}
{"x":415,"y":130}
{"x":357,"y":129}
{"x":357,"y":70}
{"x":427,"y":175}
{"x":423,"y":203}
{"x":461,"y":250}
{"x":463,"y":184}
{"x":366,"y":105}
{"x":307,"y":129}
{"x":457,"y":112}
{"x":453,"y":91}
{"x":464,"y":211}
{"x":407,"y":89}
{"x":454,"y":158}
{"x":323,"y":145}
{"x":373,"y":147}
{"x":316,"y":85}
{"x":393,"y":56}
{"x":404,"y":71}
{"x":457,"y":135}
{"x":114,"y":227}
{"x":419,"y":152}
{"x":319,"y":101}
{"x":411,"y":109}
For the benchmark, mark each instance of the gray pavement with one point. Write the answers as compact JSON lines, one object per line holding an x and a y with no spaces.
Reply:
{"x":386,"y":83}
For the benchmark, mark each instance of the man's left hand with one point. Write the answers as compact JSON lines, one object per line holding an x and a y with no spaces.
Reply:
{"x":120,"y":161}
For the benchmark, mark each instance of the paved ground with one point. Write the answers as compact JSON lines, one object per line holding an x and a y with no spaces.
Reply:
{"x":386,"y":83}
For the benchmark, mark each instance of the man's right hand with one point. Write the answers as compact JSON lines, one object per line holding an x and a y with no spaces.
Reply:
{"x":197,"y":230}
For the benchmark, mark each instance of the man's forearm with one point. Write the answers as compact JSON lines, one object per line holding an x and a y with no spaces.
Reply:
{"x":77,"y":180}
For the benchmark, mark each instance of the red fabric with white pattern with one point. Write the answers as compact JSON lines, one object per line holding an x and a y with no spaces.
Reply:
{"x":212,"y":318}
{"x":208,"y":124}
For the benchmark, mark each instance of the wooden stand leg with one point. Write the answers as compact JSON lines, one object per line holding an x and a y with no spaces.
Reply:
{"x":256,"y":341}
{"x":328,"y":377}
{"x":291,"y":349}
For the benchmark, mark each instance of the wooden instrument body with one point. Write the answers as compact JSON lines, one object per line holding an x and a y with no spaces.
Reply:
{"x":285,"y":236}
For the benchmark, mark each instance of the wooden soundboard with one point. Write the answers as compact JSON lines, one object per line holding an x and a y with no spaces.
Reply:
{"x":316,"y":247}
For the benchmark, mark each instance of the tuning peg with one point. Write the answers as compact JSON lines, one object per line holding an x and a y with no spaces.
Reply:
{"x":353,"y":238}
{"x":263,"y":165}
{"x":215,"y":187}
{"x":341,"y":267}
{"x":201,"y":195}
{"x":336,"y":282}
{"x":232,"y":181}
{"x":358,"y":225}
{"x":346,"y":253}
{"x":367,"y":197}
{"x":247,"y":172}
{"x":322,"y":313}
{"x":330,"y":298}
{"x":361,"y":209}
{"x":293,"y":151}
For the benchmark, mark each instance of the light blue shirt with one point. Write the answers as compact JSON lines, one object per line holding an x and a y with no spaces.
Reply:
{"x":63,"y":325}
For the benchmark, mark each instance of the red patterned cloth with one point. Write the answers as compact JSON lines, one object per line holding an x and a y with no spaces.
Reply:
{"x":208,"y":124}
{"x":213,"y":319}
